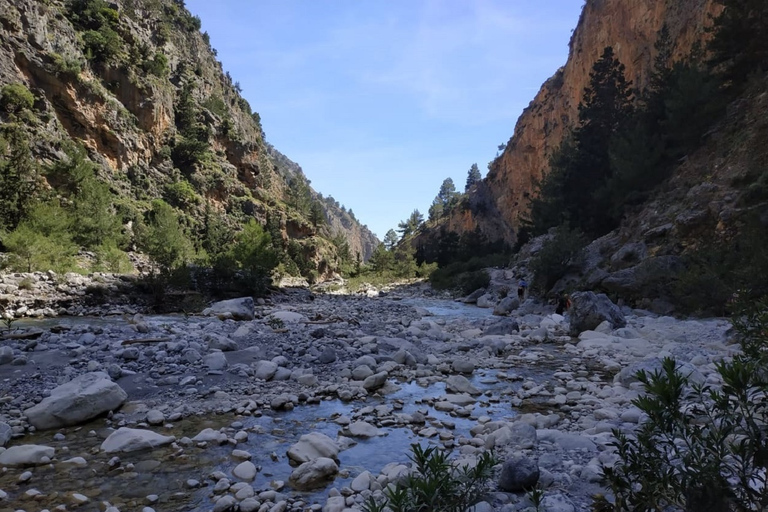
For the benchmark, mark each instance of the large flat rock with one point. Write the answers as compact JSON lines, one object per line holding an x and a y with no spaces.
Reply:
{"x":77,"y":401}
{"x":125,"y":440}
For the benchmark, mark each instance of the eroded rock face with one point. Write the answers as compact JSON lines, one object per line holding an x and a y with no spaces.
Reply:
{"x":78,"y":400}
{"x":631,"y":28}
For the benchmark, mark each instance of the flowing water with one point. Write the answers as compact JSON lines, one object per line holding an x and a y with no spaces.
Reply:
{"x":165,"y":471}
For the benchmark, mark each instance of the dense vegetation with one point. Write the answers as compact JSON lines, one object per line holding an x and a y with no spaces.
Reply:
{"x":627,"y":143}
{"x":189,"y":208}
{"x":702,"y":448}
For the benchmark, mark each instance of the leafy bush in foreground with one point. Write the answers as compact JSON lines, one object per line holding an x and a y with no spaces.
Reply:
{"x":437,"y":485}
{"x":702,"y":448}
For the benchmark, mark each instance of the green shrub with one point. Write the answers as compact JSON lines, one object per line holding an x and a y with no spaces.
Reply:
{"x":715,"y":271}
{"x":255,"y":257}
{"x":163,"y":238}
{"x":181,"y":194}
{"x":188,"y":152}
{"x":456,"y":276}
{"x":64,"y":66}
{"x":15,"y":98}
{"x":32,"y":249}
{"x":437,"y":485}
{"x":158,"y":65}
{"x":556,"y":256}
{"x":702,"y":447}
{"x":102,"y":45}
{"x":472,"y":281}
{"x":111,"y":259}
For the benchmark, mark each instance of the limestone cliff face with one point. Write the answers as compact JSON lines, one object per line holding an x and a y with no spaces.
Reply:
{"x":631,"y":28}
{"x":125,"y":110}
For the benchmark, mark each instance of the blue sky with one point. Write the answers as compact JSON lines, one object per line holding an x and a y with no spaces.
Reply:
{"x":380,"y":100}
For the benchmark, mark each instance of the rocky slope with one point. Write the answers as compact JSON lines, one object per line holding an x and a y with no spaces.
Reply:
{"x":631,"y":28}
{"x":118,"y":79}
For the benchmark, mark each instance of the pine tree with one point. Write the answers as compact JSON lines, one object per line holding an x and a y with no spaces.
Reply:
{"x":390,"y":239}
{"x":605,"y":107}
{"x":411,"y":225}
{"x":447,"y":194}
{"x":740,"y":43}
{"x":473,"y":177}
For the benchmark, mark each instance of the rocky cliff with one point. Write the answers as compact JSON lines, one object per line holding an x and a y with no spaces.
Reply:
{"x":138,"y":85}
{"x":631,"y":28}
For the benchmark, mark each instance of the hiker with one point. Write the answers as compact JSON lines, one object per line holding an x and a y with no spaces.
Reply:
{"x":521,"y":286}
{"x":563,"y":304}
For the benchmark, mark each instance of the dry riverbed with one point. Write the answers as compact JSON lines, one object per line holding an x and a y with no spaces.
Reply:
{"x":313,"y":403}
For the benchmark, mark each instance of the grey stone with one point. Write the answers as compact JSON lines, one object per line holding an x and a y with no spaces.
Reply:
{"x":506,"y":306}
{"x":245,"y":471}
{"x":5,"y":433}
{"x":313,"y":446}
{"x":328,"y":355}
{"x":463,"y":366}
{"x":375,"y":381}
{"x":6,"y":355}
{"x":472,"y":297}
{"x":314,"y":473}
{"x":125,"y":440}
{"x":460,"y":384}
{"x":628,"y":374}
{"x":505,"y":326}
{"x":518,"y":474}
{"x":78,"y":400}
{"x":215,"y":361}
{"x":236,"y":309}
{"x":590,"y":310}
{"x":26,"y":455}
{"x":264,"y":370}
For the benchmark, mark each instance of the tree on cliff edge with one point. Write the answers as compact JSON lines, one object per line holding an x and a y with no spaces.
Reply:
{"x":575,"y":190}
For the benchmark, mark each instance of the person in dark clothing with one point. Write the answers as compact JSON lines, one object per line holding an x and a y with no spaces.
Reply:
{"x":563,"y":304}
{"x":521,"y":286}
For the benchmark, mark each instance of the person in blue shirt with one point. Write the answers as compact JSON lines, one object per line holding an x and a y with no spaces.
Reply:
{"x":521,"y":286}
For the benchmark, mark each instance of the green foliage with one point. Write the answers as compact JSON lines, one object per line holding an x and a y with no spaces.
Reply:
{"x":42,"y":241}
{"x":192,"y":147}
{"x":715,"y":271}
{"x":110,"y":258}
{"x":65,"y":66}
{"x":462,"y":275}
{"x":94,"y":222}
{"x":473,"y":177}
{"x":740,"y":43}
{"x":317,"y":214}
{"x":410,"y":225}
{"x":18,"y":176}
{"x":157,"y":65}
{"x":556,"y":256}
{"x":102,"y":45}
{"x":163,"y":238}
{"x":99,"y":24}
{"x":15,"y":98}
{"x":255,"y":256}
{"x":437,"y":484}
{"x":181,"y":194}
{"x":216,"y":106}
{"x":702,"y":447}
{"x":390,"y":240}
{"x":618,"y":155}
{"x":300,"y":194}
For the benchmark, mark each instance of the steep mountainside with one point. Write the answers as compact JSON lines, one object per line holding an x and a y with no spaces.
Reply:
{"x":139,"y":87}
{"x":631,"y":28}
